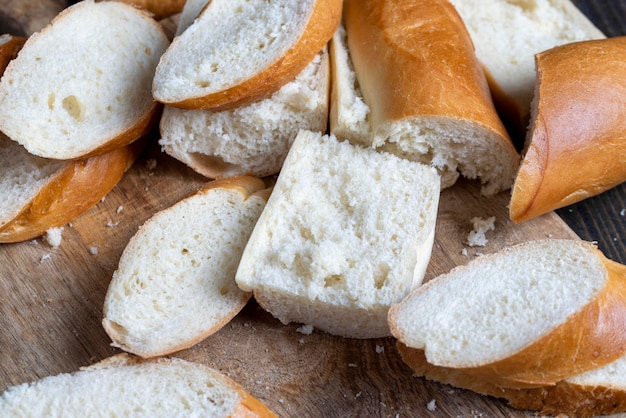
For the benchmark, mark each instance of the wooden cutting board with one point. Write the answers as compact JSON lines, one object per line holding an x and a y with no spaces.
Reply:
{"x":51,"y":306}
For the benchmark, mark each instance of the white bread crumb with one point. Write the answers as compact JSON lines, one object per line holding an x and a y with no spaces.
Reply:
{"x":119,"y":209}
{"x":476,"y":237}
{"x":45,"y":257}
{"x":431,"y":405}
{"x":112,"y":224}
{"x":93,"y":250}
{"x":380,"y":349}
{"x":305,"y":329}
{"x":151,"y":164}
{"x":54,"y":236}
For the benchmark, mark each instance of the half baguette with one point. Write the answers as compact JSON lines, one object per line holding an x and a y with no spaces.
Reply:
{"x":249,"y":50}
{"x":175,"y":283}
{"x":530,"y":315}
{"x":123,"y":385}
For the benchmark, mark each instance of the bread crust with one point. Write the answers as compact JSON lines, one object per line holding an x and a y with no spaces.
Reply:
{"x":323,"y":22}
{"x":576,"y":143}
{"x":9,"y":49}
{"x":159,"y":8}
{"x":74,"y":190}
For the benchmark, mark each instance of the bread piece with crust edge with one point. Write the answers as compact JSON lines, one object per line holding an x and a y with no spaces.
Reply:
{"x":427,"y":92}
{"x":165,"y":298}
{"x":159,"y":8}
{"x":263,"y":46}
{"x":122,"y":385}
{"x":529,"y":315}
{"x":576,"y":142}
{"x":82,"y":85}
{"x":596,"y":392}
{"x":42,"y":194}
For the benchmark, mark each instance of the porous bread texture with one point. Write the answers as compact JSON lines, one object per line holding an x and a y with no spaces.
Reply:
{"x":348,"y":116}
{"x":175,"y":283}
{"x":252,"y":139}
{"x":120,"y":386}
{"x":347,"y":232}
{"x":508,"y":33}
{"x":237,"y":39}
{"x":22,"y":176}
{"x":190,"y":12}
{"x":500,"y":303}
{"x":94,"y":87}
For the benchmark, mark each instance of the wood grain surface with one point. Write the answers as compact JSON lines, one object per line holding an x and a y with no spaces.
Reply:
{"x":51,"y":299}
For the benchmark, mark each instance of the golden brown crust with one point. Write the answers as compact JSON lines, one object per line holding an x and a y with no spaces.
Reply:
{"x":159,"y":8}
{"x":319,"y":30}
{"x":416,"y":58}
{"x":9,"y":50}
{"x":72,"y":192}
{"x":577,"y":140}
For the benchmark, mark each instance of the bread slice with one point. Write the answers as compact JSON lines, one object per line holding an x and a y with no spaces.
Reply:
{"x":175,"y":283}
{"x":529,"y":315}
{"x":123,"y":385}
{"x":347,"y":232}
{"x":159,"y":8}
{"x":508,"y":33}
{"x":576,"y":140}
{"x":599,"y":391}
{"x":249,"y":50}
{"x":428,"y":96}
{"x":190,"y":12}
{"x":39,"y":194}
{"x":252,"y":139}
{"x":81,"y":86}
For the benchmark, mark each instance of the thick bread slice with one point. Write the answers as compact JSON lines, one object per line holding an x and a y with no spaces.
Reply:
{"x":427,"y":92}
{"x":9,"y":47}
{"x":252,"y":139}
{"x":190,"y":12}
{"x":38,"y":194}
{"x":508,"y":33}
{"x":249,"y":50}
{"x":576,"y":143}
{"x":597,"y":392}
{"x":81,"y":86}
{"x":125,"y":386}
{"x":159,"y":8}
{"x":175,"y":283}
{"x":346,"y":233}
{"x":530,"y":315}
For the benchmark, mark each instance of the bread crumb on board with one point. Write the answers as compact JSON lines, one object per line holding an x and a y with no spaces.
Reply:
{"x":305,"y":329}
{"x":45,"y":257}
{"x":432,"y":405}
{"x":476,"y":237}
{"x":54,"y":236}
{"x":93,"y":250}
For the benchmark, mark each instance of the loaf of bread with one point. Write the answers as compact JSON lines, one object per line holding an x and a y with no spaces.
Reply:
{"x":253,"y":139}
{"x":346,"y":233}
{"x":508,"y":33}
{"x":93,"y":93}
{"x":427,"y":93}
{"x":175,"y":283}
{"x":529,"y":315}
{"x":249,"y":50}
{"x":576,"y":142}
{"x":125,"y":386}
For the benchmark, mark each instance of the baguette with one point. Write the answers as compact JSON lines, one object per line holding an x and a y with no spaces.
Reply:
{"x":427,"y":93}
{"x":123,"y":385}
{"x":530,"y":315}
{"x":576,"y":143}
{"x":508,"y":33}
{"x":250,"y":50}
{"x":92,"y":94}
{"x":252,"y":139}
{"x":347,"y":232}
{"x":39,"y":194}
{"x":175,"y":283}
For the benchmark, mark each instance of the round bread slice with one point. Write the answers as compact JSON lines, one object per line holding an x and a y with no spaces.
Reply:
{"x":82,"y":86}
{"x":529,"y":315}
{"x":175,"y":283}
{"x":576,"y":142}
{"x":39,"y":194}
{"x":240,"y":51}
{"x":126,"y":386}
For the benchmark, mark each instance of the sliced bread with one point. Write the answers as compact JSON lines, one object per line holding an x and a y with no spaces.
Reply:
{"x":508,"y":33}
{"x":159,"y":8}
{"x":82,"y":86}
{"x":427,"y":93}
{"x":125,"y":386}
{"x":576,"y":142}
{"x":529,"y":315}
{"x":190,"y":12}
{"x":175,"y":283}
{"x":252,"y":139}
{"x":39,"y":194}
{"x":249,"y":49}
{"x":346,"y":233}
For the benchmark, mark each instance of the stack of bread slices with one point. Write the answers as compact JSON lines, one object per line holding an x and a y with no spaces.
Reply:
{"x":362,"y":111}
